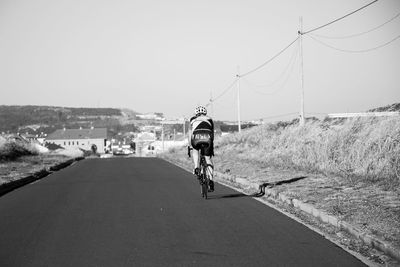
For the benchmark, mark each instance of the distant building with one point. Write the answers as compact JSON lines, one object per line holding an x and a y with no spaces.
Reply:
{"x":145,"y":137}
{"x":87,"y":139}
{"x":151,"y":116}
{"x":28,"y":137}
{"x":143,"y":141}
{"x":150,"y":128}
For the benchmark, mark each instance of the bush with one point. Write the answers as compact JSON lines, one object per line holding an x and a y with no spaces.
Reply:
{"x":11,"y":150}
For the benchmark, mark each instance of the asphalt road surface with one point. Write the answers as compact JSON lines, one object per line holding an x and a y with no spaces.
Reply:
{"x":147,"y":212}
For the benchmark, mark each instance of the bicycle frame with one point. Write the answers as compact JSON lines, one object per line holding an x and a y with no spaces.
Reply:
{"x":204,"y":176}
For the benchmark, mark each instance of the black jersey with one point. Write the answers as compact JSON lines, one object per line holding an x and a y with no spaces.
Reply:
{"x":202,"y":133}
{"x":202,"y":122}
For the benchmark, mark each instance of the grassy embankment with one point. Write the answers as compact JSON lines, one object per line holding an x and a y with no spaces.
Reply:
{"x":364,"y":149}
{"x":19,"y":159}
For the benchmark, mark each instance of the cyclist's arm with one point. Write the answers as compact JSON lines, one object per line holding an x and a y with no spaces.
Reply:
{"x":189,"y":147}
{"x":212,"y":125}
{"x":189,"y":133}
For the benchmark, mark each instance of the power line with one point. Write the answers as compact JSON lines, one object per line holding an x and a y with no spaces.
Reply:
{"x":355,"y":51}
{"x":280,"y":76}
{"x":291,"y":65}
{"x":224,"y":92}
{"x":269,"y":60}
{"x":303,"y":33}
{"x":336,"y":20}
{"x":357,"y":34}
{"x":300,"y":33}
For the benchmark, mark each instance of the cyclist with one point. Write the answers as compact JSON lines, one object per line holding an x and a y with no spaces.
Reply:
{"x":202,"y":132}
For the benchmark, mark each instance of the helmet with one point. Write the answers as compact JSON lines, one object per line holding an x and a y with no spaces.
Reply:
{"x":200,"y":110}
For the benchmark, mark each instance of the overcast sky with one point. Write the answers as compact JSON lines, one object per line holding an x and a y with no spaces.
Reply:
{"x":169,"y":56}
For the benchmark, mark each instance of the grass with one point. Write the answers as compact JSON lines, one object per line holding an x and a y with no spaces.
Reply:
{"x":19,"y":159}
{"x":13,"y":149}
{"x":363,"y":149}
{"x":26,"y":165}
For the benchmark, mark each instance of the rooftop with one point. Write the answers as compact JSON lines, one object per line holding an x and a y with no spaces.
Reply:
{"x":69,"y":134}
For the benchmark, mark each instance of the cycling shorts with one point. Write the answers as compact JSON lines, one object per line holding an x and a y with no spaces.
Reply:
{"x":203,"y":138}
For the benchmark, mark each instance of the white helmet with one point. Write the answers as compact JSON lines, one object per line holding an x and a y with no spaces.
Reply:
{"x":200,"y":110}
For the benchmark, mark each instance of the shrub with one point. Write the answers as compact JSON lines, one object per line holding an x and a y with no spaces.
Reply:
{"x":11,"y":150}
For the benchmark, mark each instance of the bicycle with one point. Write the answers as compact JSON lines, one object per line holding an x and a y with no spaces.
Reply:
{"x":204,"y":175}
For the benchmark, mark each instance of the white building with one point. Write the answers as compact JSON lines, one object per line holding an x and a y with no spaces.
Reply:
{"x":151,"y":116}
{"x":86,"y":139}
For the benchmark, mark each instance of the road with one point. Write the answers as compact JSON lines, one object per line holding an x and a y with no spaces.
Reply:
{"x":148,"y":212}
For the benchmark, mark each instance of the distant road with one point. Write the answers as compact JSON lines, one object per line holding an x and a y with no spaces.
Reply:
{"x":147,"y":212}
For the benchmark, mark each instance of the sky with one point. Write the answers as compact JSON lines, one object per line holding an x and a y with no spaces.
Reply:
{"x":170,"y":56}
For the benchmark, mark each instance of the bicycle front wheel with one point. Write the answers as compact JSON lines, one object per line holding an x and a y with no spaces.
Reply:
{"x":204,"y":186}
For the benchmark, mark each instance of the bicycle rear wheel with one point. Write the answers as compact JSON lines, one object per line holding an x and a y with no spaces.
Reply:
{"x":204,"y":186}
{"x":204,"y":176}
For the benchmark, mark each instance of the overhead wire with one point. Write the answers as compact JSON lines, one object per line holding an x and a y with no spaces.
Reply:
{"x":221,"y":106}
{"x":313,"y":36}
{"x":249,"y":72}
{"x":358,"y":34}
{"x":269,"y":60}
{"x":224,"y":92}
{"x":355,"y":51}
{"x":279,"y":77}
{"x":336,"y":20}
{"x":288,"y":75}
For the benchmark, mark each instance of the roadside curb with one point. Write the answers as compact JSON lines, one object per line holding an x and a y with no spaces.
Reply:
{"x":8,"y":187}
{"x":271,"y":193}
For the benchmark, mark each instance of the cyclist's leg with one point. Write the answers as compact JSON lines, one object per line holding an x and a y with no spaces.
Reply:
{"x":210,"y":171}
{"x":210,"y":166}
{"x":208,"y":154}
{"x":195,"y":155}
{"x":196,"y":160}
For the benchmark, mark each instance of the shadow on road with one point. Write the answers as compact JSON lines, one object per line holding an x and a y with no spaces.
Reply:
{"x":262,"y":189}
{"x":288,"y":181}
{"x":259,"y":194}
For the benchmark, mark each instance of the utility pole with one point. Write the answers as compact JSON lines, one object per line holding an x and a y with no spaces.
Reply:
{"x":184,"y":127}
{"x":212,"y":104}
{"x":238,"y":99}
{"x":300,"y":32}
{"x":162,"y":136}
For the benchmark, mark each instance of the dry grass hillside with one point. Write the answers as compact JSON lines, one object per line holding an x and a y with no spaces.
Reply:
{"x":366,"y":149}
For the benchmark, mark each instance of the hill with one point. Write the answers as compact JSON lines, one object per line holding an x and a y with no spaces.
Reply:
{"x":37,"y":119}
{"x":392,"y":107}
